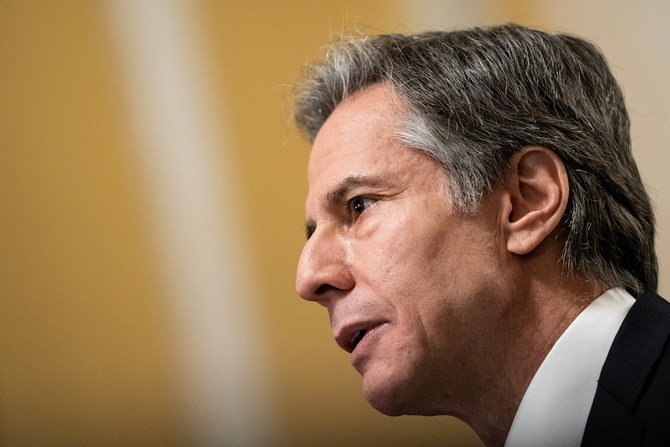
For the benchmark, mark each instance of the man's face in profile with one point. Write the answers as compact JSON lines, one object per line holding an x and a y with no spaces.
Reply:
{"x":411,"y":286}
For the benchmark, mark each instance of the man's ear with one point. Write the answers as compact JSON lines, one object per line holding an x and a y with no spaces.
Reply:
{"x":538,"y":196}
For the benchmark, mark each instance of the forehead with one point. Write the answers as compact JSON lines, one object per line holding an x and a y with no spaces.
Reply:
{"x":360,"y":129}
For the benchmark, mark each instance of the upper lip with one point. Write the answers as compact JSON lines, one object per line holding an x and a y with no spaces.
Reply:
{"x":349,"y":336}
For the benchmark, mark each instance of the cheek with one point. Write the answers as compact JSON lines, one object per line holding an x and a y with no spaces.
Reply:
{"x":408,"y":267}
{"x":405,"y":256}
{"x":391,"y":251}
{"x":401,"y":240}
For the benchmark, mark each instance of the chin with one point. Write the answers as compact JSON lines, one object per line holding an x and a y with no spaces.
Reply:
{"x":386,"y":395}
{"x":385,"y":406}
{"x":396,"y":392}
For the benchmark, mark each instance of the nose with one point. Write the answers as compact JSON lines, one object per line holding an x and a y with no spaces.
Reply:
{"x":323,"y":270}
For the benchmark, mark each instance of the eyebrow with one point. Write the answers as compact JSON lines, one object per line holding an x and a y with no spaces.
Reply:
{"x":336,"y":196}
{"x":344,"y":187}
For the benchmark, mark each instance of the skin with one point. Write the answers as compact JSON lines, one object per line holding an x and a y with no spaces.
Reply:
{"x":460,"y":309}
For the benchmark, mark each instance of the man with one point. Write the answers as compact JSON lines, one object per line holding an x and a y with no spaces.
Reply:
{"x":480,"y":236}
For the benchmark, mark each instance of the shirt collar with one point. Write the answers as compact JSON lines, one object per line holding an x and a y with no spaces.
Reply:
{"x":556,"y":405}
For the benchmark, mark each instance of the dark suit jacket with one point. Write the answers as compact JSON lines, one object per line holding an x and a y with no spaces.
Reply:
{"x":632,"y":401}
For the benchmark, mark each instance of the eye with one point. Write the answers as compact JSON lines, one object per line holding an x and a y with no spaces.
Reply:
{"x":359,"y":204}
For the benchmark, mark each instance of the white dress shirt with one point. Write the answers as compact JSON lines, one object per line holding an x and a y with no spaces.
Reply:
{"x":556,"y":405}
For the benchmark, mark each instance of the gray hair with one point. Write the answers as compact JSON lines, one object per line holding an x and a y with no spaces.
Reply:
{"x":474,"y":97}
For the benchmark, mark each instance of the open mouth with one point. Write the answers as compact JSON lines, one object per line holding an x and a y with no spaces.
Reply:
{"x":349,"y":338}
{"x":358,"y":336}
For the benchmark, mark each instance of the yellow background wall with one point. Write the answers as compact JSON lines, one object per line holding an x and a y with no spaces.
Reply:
{"x":87,"y":343}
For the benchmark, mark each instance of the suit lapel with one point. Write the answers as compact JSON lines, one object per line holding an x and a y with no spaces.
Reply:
{"x":623,"y":379}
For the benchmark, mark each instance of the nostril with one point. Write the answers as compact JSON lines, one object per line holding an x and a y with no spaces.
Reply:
{"x":323,"y":288}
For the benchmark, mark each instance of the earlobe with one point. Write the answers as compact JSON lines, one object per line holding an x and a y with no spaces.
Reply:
{"x":538,"y":190}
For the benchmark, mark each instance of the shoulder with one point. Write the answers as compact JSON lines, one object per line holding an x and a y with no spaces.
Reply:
{"x":653,"y":405}
{"x":632,"y":402}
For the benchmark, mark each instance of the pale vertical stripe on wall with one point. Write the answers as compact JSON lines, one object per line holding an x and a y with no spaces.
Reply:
{"x":190,"y":193}
{"x":428,"y":15}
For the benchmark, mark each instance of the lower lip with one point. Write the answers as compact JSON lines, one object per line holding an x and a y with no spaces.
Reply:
{"x":363,"y":347}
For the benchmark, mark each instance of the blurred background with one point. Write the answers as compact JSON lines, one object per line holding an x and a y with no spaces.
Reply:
{"x":151,"y":214}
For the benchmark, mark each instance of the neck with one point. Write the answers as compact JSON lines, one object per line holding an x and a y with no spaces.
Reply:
{"x":540,"y":311}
